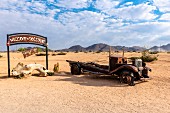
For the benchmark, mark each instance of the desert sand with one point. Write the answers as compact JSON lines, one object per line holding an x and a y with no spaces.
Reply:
{"x":66,"y":93}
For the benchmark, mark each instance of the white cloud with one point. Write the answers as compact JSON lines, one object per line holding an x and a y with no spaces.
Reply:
{"x":27,"y":7}
{"x":106,"y":5}
{"x":148,"y":32}
{"x":13,"y":4}
{"x":73,"y":3}
{"x":135,"y":12}
{"x":127,"y":11}
{"x":165,"y":17}
{"x":50,"y":0}
{"x":85,"y":17}
{"x":127,"y":4}
{"x":51,"y":13}
{"x":38,"y":7}
{"x":84,"y":25}
{"x":163,"y":5}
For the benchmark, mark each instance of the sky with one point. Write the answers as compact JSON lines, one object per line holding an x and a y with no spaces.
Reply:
{"x":65,"y":23}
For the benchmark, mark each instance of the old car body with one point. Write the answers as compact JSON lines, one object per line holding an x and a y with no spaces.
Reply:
{"x":118,"y":66}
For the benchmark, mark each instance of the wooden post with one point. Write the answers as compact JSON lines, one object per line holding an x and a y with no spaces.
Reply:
{"x":123,"y":52}
{"x":46,"y":55}
{"x":8,"y":56}
{"x":109,"y":57}
{"x":109,"y":51}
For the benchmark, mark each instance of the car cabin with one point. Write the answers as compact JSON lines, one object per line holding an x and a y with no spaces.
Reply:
{"x":116,"y":61}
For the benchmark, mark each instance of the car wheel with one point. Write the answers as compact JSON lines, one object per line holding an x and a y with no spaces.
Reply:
{"x":75,"y":69}
{"x":127,"y":77}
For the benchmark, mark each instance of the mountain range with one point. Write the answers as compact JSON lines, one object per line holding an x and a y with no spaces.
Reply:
{"x":161,"y":48}
{"x":105,"y":47}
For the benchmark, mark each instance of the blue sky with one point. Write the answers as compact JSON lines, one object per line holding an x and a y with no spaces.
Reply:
{"x":85,"y":22}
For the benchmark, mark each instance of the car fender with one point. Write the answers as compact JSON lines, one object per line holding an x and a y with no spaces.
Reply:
{"x":128,"y":67}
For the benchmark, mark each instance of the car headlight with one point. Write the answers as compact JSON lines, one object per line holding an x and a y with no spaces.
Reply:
{"x":140,"y":68}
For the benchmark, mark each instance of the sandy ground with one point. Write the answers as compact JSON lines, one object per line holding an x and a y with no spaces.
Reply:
{"x":65,"y":93}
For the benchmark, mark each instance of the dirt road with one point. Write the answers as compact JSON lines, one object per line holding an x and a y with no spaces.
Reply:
{"x":65,"y":93}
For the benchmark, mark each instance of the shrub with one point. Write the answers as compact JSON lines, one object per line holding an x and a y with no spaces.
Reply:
{"x":39,"y":49}
{"x":99,"y":51}
{"x":61,"y":53}
{"x":116,"y":51}
{"x":41,"y":54}
{"x":168,"y":52}
{"x":1,"y":56}
{"x":154,"y":52}
{"x":146,"y":57}
{"x":76,"y":52}
{"x":54,"y":54}
{"x":21,"y":49}
{"x":50,"y":73}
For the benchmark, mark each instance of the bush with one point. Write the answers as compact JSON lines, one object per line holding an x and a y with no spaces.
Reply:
{"x":21,"y":49}
{"x":168,"y":52}
{"x":54,"y":54}
{"x":154,"y":52}
{"x":41,"y":54}
{"x":76,"y":52}
{"x":61,"y":53}
{"x":146,"y":57}
{"x":116,"y":51}
{"x":99,"y":51}
{"x":39,"y":49}
{"x":1,"y":56}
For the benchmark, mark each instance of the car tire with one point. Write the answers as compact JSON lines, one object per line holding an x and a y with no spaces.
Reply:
{"x":75,"y":69}
{"x":127,"y":77}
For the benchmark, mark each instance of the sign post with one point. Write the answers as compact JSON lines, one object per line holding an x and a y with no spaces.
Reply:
{"x":26,"y":38}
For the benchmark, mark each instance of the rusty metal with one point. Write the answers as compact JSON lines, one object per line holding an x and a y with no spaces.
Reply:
{"x":117,"y":66}
{"x":29,"y":52}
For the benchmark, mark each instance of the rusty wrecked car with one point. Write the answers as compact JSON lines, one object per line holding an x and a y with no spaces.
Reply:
{"x":118,"y":67}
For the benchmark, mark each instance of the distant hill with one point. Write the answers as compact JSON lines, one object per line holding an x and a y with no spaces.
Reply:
{"x":102,"y":47}
{"x":161,"y":48}
{"x":98,"y":47}
{"x":77,"y":48}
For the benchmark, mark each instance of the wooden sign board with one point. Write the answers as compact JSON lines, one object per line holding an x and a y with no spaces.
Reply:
{"x":26,"y":38}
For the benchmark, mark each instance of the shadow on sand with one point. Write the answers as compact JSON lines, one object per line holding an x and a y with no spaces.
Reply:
{"x":91,"y":80}
{"x":5,"y":77}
